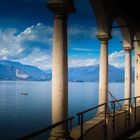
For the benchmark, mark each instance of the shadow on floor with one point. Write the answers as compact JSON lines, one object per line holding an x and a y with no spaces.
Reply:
{"x":131,"y":135}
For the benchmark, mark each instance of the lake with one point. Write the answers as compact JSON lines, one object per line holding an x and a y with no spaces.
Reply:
{"x":20,"y":115}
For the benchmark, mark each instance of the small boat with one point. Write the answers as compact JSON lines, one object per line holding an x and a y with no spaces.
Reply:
{"x":23,"y":93}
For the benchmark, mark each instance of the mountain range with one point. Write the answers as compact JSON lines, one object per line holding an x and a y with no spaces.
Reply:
{"x":14,"y":71}
{"x":10,"y":70}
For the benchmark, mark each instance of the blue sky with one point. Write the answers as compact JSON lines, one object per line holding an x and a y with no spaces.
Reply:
{"x":26,"y":28}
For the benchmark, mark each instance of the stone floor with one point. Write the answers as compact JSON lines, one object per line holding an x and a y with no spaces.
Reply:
{"x":132,"y":135}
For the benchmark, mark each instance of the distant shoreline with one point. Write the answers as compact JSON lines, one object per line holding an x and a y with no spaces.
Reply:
{"x":51,"y":81}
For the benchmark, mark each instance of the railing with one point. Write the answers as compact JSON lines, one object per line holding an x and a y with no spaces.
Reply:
{"x":68,"y":122}
{"x":81,"y":117}
{"x":135,"y":104}
{"x":114,"y":110}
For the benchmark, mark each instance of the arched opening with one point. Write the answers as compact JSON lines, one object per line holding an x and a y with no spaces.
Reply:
{"x":122,"y":42}
{"x":83,"y":55}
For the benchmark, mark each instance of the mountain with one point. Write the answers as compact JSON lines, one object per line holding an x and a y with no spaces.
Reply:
{"x":91,"y":74}
{"x":10,"y":70}
{"x":16,"y":71}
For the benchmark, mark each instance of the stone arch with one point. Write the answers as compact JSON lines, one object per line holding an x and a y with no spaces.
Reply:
{"x":126,"y":33}
{"x":136,"y":38}
{"x":102,"y":19}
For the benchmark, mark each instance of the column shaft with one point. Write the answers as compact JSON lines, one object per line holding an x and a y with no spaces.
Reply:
{"x":61,"y":9}
{"x":127,"y":82}
{"x":59,"y":73}
{"x":103,"y":77}
{"x":137,"y":71}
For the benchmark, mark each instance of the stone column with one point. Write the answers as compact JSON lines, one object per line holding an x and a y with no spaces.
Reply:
{"x":59,"y":73}
{"x":127,"y":81}
{"x":137,"y":70}
{"x":60,"y":9}
{"x":103,"y":74}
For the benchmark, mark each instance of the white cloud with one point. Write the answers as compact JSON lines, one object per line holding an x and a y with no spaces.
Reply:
{"x":117,"y":54}
{"x":15,"y":45}
{"x":117,"y":58}
{"x":83,"y":62}
{"x":39,"y":32}
{"x":38,"y":58}
{"x":26,"y":46}
{"x":10,"y":47}
{"x":81,"y":49}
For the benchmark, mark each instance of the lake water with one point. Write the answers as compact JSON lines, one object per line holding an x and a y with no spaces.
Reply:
{"x":20,"y":115}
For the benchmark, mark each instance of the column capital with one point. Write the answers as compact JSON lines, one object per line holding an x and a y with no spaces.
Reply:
{"x":127,"y":48}
{"x":61,"y":6}
{"x":103,"y":38}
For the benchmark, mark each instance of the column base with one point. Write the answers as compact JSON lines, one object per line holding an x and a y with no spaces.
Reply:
{"x":56,"y":138}
{"x":125,"y":107}
{"x":57,"y":135}
{"x":101,"y":109}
